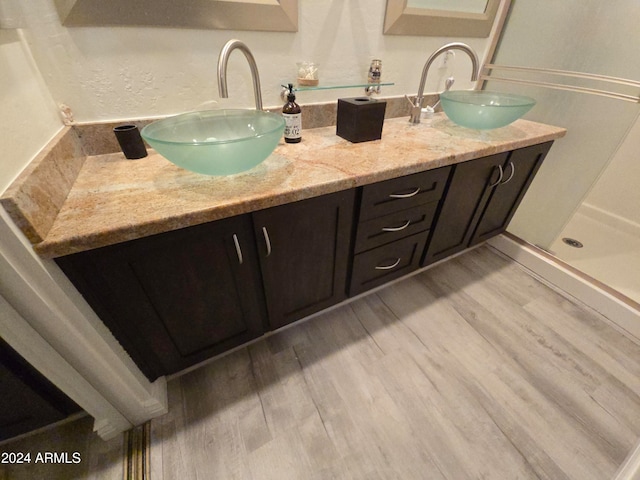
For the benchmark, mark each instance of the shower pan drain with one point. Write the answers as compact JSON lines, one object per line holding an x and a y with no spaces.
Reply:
{"x":572,"y":242}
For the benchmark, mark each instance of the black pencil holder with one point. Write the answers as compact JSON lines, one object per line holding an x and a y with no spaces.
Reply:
{"x":130,"y":141}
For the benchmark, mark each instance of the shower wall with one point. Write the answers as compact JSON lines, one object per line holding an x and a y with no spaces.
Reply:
{"x":585,"y":36}
{"x":622,"y":176}
{"x":607,"y":224}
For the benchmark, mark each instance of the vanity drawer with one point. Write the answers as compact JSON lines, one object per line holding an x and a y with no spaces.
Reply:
{"x":382,"y":264}
{"x":401,"y":193}
{"x":381,"y":230}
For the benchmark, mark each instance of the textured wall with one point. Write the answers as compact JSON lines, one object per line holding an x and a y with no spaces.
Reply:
{"x":106,"y":73}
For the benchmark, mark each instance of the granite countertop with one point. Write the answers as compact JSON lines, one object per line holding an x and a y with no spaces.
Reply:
{"x":114,"y":199}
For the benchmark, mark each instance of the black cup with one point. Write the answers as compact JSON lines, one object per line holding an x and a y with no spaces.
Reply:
{"x":130,"y":141}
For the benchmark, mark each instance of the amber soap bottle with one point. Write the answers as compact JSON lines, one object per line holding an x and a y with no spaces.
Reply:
{"x":292,"y":118}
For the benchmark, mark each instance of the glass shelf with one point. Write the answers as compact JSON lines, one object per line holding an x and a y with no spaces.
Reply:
{"x":336,"y":87}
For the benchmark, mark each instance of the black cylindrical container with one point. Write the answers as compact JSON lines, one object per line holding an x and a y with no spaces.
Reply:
{"x":130,"y":141}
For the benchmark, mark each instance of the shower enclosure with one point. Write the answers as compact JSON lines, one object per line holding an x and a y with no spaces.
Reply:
{"x":586,"y":193}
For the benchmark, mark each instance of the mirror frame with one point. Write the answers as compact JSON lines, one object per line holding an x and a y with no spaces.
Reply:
{"x":402,"y":20}
{"x":261,"y":15}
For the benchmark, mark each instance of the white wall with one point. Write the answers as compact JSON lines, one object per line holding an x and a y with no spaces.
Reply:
{"x":115,"y":73}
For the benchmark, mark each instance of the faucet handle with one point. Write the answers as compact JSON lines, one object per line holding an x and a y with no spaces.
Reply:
{"x":410,"y":101}
{"x":417,"y":103}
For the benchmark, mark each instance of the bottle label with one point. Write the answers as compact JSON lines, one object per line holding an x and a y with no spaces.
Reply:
{"x":292,"y":125}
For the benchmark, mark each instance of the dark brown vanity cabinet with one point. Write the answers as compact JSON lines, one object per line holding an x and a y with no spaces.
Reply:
{"x":481,"y":199}
{"x":176,"y":298}
{"x":304,"y":254}
{"x":394,"y":220}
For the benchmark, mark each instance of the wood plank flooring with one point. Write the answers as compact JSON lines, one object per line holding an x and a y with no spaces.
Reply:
{"x":470,"y":370}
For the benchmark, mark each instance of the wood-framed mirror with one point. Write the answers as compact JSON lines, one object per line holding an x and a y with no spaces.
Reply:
{"x":261,"y":15}
{"x":440,"y":18}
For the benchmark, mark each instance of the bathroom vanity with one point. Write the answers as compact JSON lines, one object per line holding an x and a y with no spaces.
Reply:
{"x":182,"y":266}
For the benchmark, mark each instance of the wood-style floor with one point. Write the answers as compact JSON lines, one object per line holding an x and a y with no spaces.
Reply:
{"x":470,"y":370}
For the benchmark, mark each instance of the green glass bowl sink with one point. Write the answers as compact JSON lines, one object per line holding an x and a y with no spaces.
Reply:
{"x":216,"y":142}
{"x":484,"y":110}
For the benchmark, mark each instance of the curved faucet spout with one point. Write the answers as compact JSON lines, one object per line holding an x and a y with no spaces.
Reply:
{"x":417,"y":106}
{"x":223,"y":59}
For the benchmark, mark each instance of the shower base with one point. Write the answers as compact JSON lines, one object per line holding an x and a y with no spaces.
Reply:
{"x":610,"y":255}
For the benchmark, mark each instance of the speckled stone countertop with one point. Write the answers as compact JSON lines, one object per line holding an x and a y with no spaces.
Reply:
{"x":114,"y":199}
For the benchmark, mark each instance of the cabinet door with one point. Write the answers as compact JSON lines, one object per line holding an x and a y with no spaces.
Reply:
{"x":304,"y":250}
{"x":519,"y":170}
{"x":176,"y":298}
{"x":463,"y":203}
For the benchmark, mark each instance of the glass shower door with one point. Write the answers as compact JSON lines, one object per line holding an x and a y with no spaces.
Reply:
{"x":592,"y":37}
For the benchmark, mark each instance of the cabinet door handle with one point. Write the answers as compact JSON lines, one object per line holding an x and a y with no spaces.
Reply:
{"x":389,"y":267}
{"x":513,"y":171}
{"x":499,"y":177}
{"x":267,"y":241}
{"x":238,"y":249}
{"x":405,"y":195}
{"x":396,"y":229}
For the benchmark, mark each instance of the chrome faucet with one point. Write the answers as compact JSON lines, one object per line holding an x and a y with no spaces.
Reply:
{"x":229,"y":47}
{"x":416,"y":106}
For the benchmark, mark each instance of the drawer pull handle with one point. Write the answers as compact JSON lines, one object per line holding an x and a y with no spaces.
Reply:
{"x":238,"y":250}
{"x":405,"y":195}
{"x":396,"y":229}
{"x":513,"y":171}
{"x":389,"y":267}
{"x":499,"y":177}
{"x":267,"y":241}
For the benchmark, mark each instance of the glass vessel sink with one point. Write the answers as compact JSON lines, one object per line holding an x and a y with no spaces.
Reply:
{"x":482,"y":109}
{"x":216,"y":142}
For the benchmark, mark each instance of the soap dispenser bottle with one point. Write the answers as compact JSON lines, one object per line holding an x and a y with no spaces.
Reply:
{"x":292,"y":118}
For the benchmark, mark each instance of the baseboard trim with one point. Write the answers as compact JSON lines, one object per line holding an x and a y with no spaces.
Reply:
{"x":630,"y":468}
{"x":620,"y":311}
